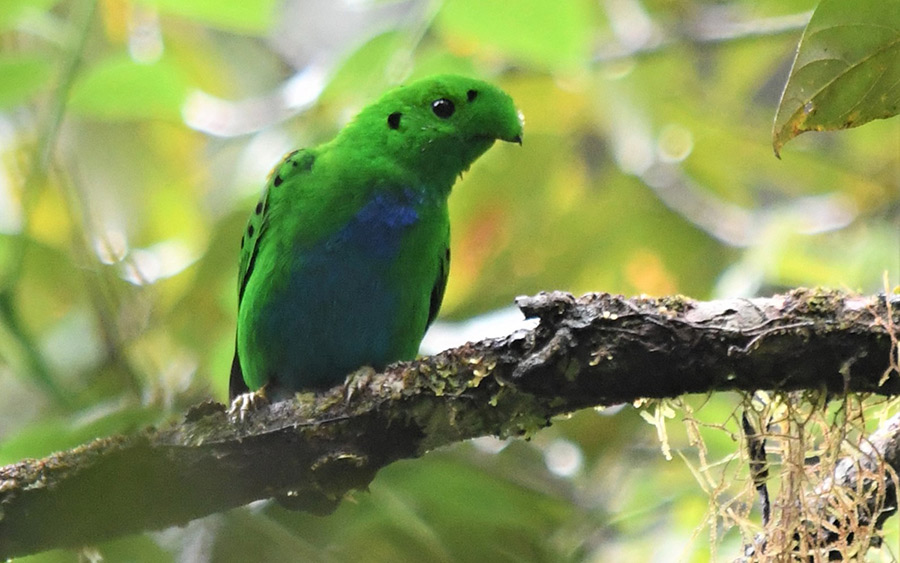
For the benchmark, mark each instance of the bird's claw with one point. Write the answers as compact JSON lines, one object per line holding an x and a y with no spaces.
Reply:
{"x":245,"y":403}
{"x":357,"y":381}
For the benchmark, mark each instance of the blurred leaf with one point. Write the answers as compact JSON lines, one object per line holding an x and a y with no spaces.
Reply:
{"x":437,"y":508}
{"x":847,"y":69}
{"x":22,"y":79}
{"x":121,"y":89}
{"x":47,"y":288}
{"x":134,"y":549}
{"x":54,"y":434}
{"x":361,"y":76}
{"x":850,"y":257}
{"x":12,"y":10}
{"x":440,"y":61}
{"x":252,"y":17}
{"x":549,"y":34}
{"x":141,"y":548}
{"x":55,"y":556}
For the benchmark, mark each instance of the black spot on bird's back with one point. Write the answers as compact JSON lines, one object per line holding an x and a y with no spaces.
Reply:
{"x":259,"y":208}
{"x":471,"y":94}
{"x":394,"y":120}
{"x":250,"y":231}
{"x":293,"y":164}
{"x":242,"y":243}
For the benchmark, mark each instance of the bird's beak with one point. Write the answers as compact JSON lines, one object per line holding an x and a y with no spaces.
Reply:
{"x":517,"y":135}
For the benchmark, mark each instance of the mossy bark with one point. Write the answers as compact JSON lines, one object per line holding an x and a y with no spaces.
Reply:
{"x":595,"y":350}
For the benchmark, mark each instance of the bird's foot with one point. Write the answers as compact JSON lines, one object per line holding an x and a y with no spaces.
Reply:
{"x":357,"y":381}
{"x":245,"y":403}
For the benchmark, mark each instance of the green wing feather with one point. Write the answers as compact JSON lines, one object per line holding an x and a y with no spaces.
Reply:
{"x":440,"y":284}
{"x":298,"y":161}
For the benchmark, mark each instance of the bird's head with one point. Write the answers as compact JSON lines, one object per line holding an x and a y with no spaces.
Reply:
{"x":437,"y":126}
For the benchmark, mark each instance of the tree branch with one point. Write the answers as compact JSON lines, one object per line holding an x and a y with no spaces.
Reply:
{"x":595,"y":350}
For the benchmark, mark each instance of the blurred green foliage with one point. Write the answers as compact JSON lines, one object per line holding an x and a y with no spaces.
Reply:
{"x":135,"y":136}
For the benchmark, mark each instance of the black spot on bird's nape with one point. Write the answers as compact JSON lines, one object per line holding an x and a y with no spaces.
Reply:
{"x":303,"y":159}
{"x":277,"y":181}
{"x":259,"y":208}
{"x":394,"y":120}
{"x":443,"y":108}
{"x":250,"y":231}
{"x":471,"y":95}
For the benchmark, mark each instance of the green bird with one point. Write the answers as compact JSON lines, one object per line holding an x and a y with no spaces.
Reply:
{"x":345,"y":258}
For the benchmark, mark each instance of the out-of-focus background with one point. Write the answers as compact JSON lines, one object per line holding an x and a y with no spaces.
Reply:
{"x":134,"y":140}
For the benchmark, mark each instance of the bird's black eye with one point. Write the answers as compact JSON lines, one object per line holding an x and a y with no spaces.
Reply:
{"x":470,"y":95}
{"x":394,"y":120}
{"x":442,"y":108}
